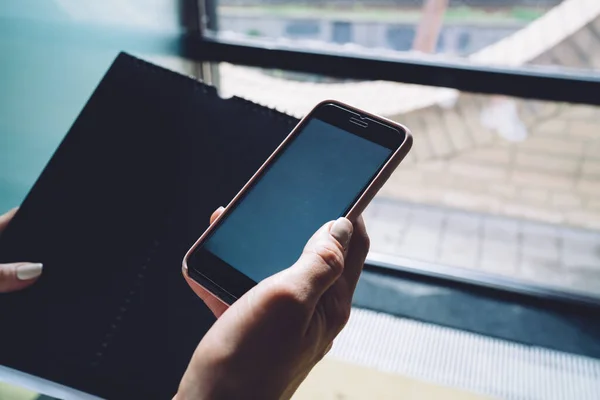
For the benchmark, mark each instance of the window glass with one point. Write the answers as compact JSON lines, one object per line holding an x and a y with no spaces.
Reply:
{"x":559,"y":33}
{"x":494,"y":184}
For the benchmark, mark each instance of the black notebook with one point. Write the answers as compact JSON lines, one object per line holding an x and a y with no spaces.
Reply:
{"x":129,"y":189}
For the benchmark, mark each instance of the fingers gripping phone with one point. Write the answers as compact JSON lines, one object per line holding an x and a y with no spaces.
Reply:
{"x":331,"y":165}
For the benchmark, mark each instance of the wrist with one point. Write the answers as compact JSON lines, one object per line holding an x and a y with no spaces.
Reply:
{"x":204,"y":384}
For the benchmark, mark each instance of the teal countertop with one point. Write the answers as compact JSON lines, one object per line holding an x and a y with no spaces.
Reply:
{"x":49,"y":66}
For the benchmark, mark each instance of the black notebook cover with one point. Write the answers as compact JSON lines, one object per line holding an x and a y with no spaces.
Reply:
{"x":130,"y":188}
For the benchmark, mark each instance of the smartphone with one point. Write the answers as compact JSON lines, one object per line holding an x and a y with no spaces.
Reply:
{"x":331,"y":165}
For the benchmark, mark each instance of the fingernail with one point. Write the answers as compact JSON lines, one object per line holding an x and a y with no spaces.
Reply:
{"x":341,"y":230}
{"x":26,"y":272}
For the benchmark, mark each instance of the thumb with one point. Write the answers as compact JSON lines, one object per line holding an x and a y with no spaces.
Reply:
{"x":18,"y":276}
{"x":322,"y":261}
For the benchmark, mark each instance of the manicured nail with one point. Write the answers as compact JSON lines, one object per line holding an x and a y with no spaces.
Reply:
{"x":341,"y":230}
{"x":26,"y":272}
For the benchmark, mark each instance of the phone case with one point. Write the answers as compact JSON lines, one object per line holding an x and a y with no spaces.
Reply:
{"x":354,"y":212}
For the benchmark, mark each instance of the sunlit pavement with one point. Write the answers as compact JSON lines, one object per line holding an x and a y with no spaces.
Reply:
{"x":536,"y":252}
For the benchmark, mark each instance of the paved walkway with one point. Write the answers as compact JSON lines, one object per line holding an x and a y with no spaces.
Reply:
{"x":542,"y":253}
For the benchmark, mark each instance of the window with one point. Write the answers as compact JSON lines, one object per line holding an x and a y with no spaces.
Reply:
{"x":494,"y":184}
{"x":484,"y":31}
{"x":503,"y":163}
{"x":478,"y":158}
{"x":400,"y":37}
{"x":464,"y":40}
{"x":342,"y":32}
{"x":302,"y":28}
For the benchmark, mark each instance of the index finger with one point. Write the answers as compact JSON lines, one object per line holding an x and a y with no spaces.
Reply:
{"x":5,"y":218}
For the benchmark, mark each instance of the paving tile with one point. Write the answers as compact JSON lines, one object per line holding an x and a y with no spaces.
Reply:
{"x":438,"y":135}
{"x":566,"y":165}
{"x":541,"y":241}
{"x":460,"y":240}
{"x":459,"y":251}
{"x":581,"y":112}
{"x":386,"y":236}
{"x":551,"y":126}
{"x":581,"y":250}
{"x":475,"y":170}
{"x":451,"y":183}
{"x":463,"y":224}
{"x":469,"y":109}
{"x":386,"y":224}
{"x":591,"y":169}
{"x":544,"y":254}
{"x":503,"y":190}
{"x":589,"y":186}
{"x":540,"y":179}
{"x":541,"y":270}
{"x":384,"y":241}
{"x":420,"y":245}
{"x":592,"y":150}
{"x":422,"y":147}
{"x":540,"y":256}
{"x":565,"y":200}
{"x":419,"y":193}
{"x":472,"y":201}
{"x":593,"y":205}
{"x":456,"y":128}
{"x":553,"y":146}
{"x":498,"y":257}
{"x":584,"y":129}
{"x":405,"y":177}
{"x":422,"y":237}
{"x":534,"y":196}
{"x":388,"y":210}
{"x":427,"y":217}
{"x":586,"y":282}
{"x":532,"y":212}
{"x":500,"y":230}
{"x":540,"y":111}
{"x":488,"y":155}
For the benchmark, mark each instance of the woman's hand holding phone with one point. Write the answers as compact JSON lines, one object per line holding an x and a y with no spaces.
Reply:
{"x":267,"y":342}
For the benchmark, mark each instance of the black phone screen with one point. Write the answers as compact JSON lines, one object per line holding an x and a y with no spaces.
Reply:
{"x":315,"y":179}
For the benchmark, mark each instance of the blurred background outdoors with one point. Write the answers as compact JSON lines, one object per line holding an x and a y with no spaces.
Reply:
{"x":497,"y":185}
{"x":503,"y":185}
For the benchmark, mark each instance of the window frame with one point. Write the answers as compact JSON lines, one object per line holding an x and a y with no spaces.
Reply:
{"x":202,"y":44}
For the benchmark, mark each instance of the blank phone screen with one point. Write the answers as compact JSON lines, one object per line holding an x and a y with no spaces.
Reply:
{"x":315,"y":179}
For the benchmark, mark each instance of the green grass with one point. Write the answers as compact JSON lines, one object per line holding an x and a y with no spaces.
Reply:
{"x":526,"y":14}
{"x":254,"y":33}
